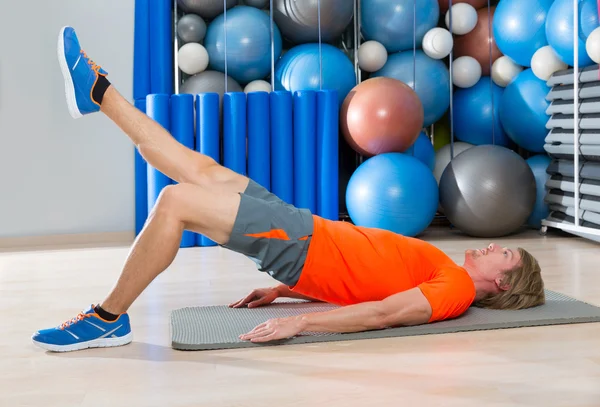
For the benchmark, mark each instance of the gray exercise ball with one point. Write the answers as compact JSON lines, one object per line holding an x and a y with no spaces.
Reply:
{"x":209,"y":82}
{"x":298,"y":19}
{"x":488,"y":191}
{"x":191,"y":28}
{"x":257,"y":3}
{"x":205,"y":8}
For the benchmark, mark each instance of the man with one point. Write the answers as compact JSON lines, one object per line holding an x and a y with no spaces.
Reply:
{"x":380,"y":279}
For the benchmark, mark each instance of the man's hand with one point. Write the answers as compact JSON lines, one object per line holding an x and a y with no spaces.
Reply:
{"x":257,"y":298}
{"x":274,"y":329}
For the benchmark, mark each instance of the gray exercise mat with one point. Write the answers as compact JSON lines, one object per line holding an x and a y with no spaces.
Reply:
{"x":588,"y":170}
{"x":564,"y":198}
{"x":565,"y":136}
{"x":567,"y":76}
{"x":567,"y":92}
{"x":567,"y":184}
{"x":559,"y":213}
{"x":586,"y":106}
{"x":566,"y":121}
{"x":565,"y":151}
{"x":219,"y":327}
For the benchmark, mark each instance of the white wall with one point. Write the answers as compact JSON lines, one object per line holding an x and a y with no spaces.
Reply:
{"x":59,"y":175}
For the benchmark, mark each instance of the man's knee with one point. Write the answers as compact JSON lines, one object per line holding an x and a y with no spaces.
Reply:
{"x":170,"y":199}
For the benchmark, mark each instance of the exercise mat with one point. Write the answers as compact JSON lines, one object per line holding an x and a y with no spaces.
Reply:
{"x":219,"y":327}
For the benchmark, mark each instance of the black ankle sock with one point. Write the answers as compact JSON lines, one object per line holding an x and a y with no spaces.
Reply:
{"x":100,"y":88}
{"x":105,"y":315}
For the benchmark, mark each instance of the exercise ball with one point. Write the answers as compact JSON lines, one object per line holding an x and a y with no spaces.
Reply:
{"x":441,"y":133}
{"x":257,"y":3}
{"x":302,"y":68}
{"x":476,"y":43}
{"x":392,"y":22}
{"x":592,"y":45}
{"x":438,"y":43}
{"x":248,"y":44}
{"x":545,"y":63}
{"x":191,"y":28}
{"x":208,"y":9}
{"x":539,"y":164}
{"x":476,"y":114}
{"x":466,"y":72}
{"x":427,"y":76}
{"x":519,"y":28}
{"x":559,"y":29}
{"x":523,"y":111}
{"x":392,"y":191}
{"x":487,"y":191}
{"x":422,"y":149}
{"x":464,"y":18}
{"x":445,"y":154}
{"x":477,"y":4}
{"x":381,"y":115}
{"x":299,"y":20}
{"x":258,"y":86}
{"x":504,"y":70}
{"x":192,"y":58}
{"x":372,"y":56}
{"x":209,"y":82}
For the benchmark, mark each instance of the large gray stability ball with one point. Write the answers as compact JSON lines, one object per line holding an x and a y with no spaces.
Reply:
{"x":191,"y":28}
{"x":488,"y":191}
{"x":209,"y":82}
{"x":205,"y":8}
{"x":257,"y":3}
{"x":298,"y":20}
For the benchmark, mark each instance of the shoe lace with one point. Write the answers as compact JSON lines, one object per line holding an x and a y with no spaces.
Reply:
{"x":95,"y":67}
{"x":71,"y":321}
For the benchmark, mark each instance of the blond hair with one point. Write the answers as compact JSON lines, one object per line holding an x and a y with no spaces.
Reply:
{"x":526,"y":287}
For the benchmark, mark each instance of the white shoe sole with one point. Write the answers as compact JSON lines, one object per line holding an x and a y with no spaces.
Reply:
{"x":96,"y":343}
{"x":64,"y":67}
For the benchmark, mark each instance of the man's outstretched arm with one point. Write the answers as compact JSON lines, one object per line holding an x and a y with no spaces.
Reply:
{"x":403,"y":309}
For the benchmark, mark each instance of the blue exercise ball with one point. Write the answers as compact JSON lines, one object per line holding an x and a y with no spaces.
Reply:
{"x":539,"y":164}
{"x":248,"y":48}
{"x":559,"y":29}
{"x":519,"y":28}
{"x":432,"y":83}
{"x":476,"y":114}
{"x":393,"y":191}
{"x":302,"y":68}
{"x":523,"y":111}
{"x":392,"y":22}
{"x":423,"y":150}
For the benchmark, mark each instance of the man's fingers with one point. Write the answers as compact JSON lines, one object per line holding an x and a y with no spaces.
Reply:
{"x":256,"y":333}
{"x":258,"y":302}
{"x":244,"y":300}
{"x":265,"y":338}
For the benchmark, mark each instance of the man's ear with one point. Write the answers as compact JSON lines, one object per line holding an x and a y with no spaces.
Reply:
{"x":500,"y":284}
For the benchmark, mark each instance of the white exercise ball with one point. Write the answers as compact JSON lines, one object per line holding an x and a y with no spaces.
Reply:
{"x":437,"y":43}
{"x":592,"y":45}
{"x":258,"y":86}
{"x":545,"y":62}
{"x":372,"y":56}
{"x":504,"y":70}
{"x":442,"y":157}
{"x":466,"y":72}
{"x":464,"y":18}
{"x":192,"y":58}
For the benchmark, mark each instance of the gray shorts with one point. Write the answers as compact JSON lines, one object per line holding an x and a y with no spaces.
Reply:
{"x":273,"y":233}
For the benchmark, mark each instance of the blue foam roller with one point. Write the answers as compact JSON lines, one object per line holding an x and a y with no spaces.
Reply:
{"x":182,"y":128}
{"x":157,"y":108}
{"x":327,"y":155}
{"x":141,"y":181}
{"x":161,"y":52}
{"x":305,"y":145}
{"x":234,"y":132}
{"x":141,"y":50}
{"x":259,"y":142}
{"x":282,"y":169}
{"x":207,"y":136}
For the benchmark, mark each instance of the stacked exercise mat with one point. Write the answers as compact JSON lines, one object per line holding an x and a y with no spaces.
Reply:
{"x":560,"y":146}
{"x":286,"y":141}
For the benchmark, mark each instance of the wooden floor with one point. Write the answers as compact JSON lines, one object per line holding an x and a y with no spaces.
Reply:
{"x":546,"y":366}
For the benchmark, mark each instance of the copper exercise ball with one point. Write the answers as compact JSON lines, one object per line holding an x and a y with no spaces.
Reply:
{"x":381,"y":115}
{"x":476,"y":43}
{"x":475,"y":3}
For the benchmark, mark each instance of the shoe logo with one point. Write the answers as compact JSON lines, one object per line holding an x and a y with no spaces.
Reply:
{"x":109,"y":333}
{"x":76,"y":63}
{"x":99,"y":327}
{"x":72,"y":334}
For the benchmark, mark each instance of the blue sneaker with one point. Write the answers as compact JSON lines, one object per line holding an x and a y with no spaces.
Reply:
{"x":80,"y":74}
{"x":86,"y":330}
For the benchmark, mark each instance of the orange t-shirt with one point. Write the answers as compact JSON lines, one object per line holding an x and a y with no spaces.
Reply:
{"x":348,"y":264}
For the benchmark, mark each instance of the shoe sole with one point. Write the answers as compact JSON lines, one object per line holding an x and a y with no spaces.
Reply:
{"x":95,"y":343}
{"x":69,"y":86}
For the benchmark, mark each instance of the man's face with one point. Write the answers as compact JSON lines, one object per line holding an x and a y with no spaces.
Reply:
{"x":493,"y":260}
